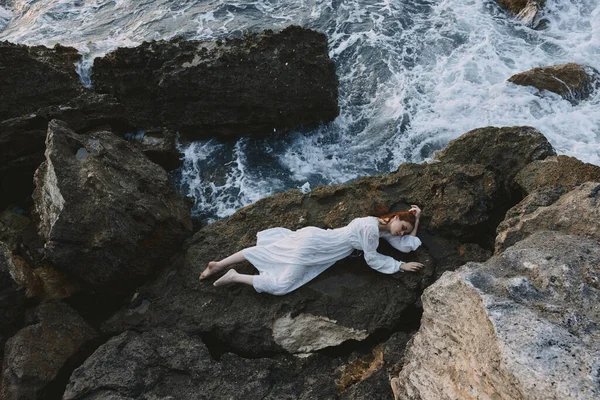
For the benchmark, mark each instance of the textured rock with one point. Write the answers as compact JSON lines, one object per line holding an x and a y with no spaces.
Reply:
{"x":35,"y":77}
{"x":459,"y":198}
{"x":571,"y":81}
{"x":526,"y":10}
{"x":576,"y":212}
{"x":12,"y":225}
{"x":22,"y":139}
{"x":556,"y":171}
{"x":36,"y":354}
{"x":503,"y":150}
{"x":160,"y":146}
{"x":42,"y":283}
{"x":370,"y":376}
{"x":107,"y":213}
{"x":169,"y":363}
{"x":239,"y":86}
{"x":523,"y":325}
{"x":12,"y":297}
{"x":306,"y":333}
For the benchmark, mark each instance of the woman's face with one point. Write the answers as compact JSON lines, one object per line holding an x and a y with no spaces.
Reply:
{"x":399,"y":227}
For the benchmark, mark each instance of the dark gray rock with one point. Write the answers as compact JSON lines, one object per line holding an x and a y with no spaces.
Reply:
{"x":252,"y":85}
{"x":34,"y":77}
{"x":168,"y":363}
{"x":12,"y":226}
{"x":108,"y":215}
{"x":571,"y":81}
{"x":35,"y":355}
{"x":160,"y":146}
{"x":22,"y":139}
{"x":12,"y":298}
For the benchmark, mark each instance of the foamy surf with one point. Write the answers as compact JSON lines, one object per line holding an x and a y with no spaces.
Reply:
{"x":413,"y":76}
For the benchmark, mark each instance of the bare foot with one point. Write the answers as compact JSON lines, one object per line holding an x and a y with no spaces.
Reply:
{"x":227,"y":278}
{"x":212,"y":268}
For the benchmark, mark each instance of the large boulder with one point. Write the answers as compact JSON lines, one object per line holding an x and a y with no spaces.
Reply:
{"x":505,"y":151}
{"x":556,"y":171}
{"x":341,"y":304}
{"x":34,"y":77}
{"x":257,"y":84}
{"x":571,"y":81}
{"x":576,"y":212}
{"x":108,"y":215}
{"x":523,"y":325}
{"x":171,"y":364}
{"x":22,"y":139}
{"x":54,"y":338}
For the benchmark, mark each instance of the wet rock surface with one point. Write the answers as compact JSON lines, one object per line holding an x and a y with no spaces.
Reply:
{"x":254,"y":85}
{"x":34,"y":77}
{"x":34,"y":357}
{"x":108,"y":214}
{"x":523,"y":325}
{"x":527,"y":11}
{"x":551,"y":209}
{"x":571,"y":81}
{"x":562,"y":171}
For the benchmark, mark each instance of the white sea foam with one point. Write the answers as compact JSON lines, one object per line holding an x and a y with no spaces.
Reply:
{"x":5,"y":17}
{"x":413,"y":75}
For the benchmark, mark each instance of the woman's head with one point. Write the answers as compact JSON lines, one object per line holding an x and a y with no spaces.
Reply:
{"x":400,"y":223}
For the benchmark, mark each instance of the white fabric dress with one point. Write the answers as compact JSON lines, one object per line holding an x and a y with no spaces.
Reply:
{"x":288,"y":259}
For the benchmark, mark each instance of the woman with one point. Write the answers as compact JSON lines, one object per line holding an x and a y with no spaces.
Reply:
{"x":288,"y":259}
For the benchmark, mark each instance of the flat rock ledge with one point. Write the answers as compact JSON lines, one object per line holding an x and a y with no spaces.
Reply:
{"x":523,"y":325}
{"x":572,"y":82}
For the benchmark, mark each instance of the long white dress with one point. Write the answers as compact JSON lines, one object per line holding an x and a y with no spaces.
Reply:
{"x":288,"y":259}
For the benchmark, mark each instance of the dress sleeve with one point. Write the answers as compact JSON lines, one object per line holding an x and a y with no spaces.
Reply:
{"x":369,"y":237}
{"x":405,"y":244}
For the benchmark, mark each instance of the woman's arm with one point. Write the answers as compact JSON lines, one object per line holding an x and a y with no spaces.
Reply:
{"x":417,"y":212}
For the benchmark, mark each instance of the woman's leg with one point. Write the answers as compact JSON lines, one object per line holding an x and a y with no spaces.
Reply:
{"x":232,"y":276}
{"x":216,"y":266}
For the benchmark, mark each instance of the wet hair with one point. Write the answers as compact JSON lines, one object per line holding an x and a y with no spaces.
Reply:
{"x":408,"y":216}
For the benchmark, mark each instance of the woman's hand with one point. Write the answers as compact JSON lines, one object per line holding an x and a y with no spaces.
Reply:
{"x":417,"y":210}
{"x":411,"y":266}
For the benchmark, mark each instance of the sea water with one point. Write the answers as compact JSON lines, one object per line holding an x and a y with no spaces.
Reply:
{"x":413,"y":76}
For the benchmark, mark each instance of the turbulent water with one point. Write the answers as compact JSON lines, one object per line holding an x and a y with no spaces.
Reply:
{"x":413,"y":75}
